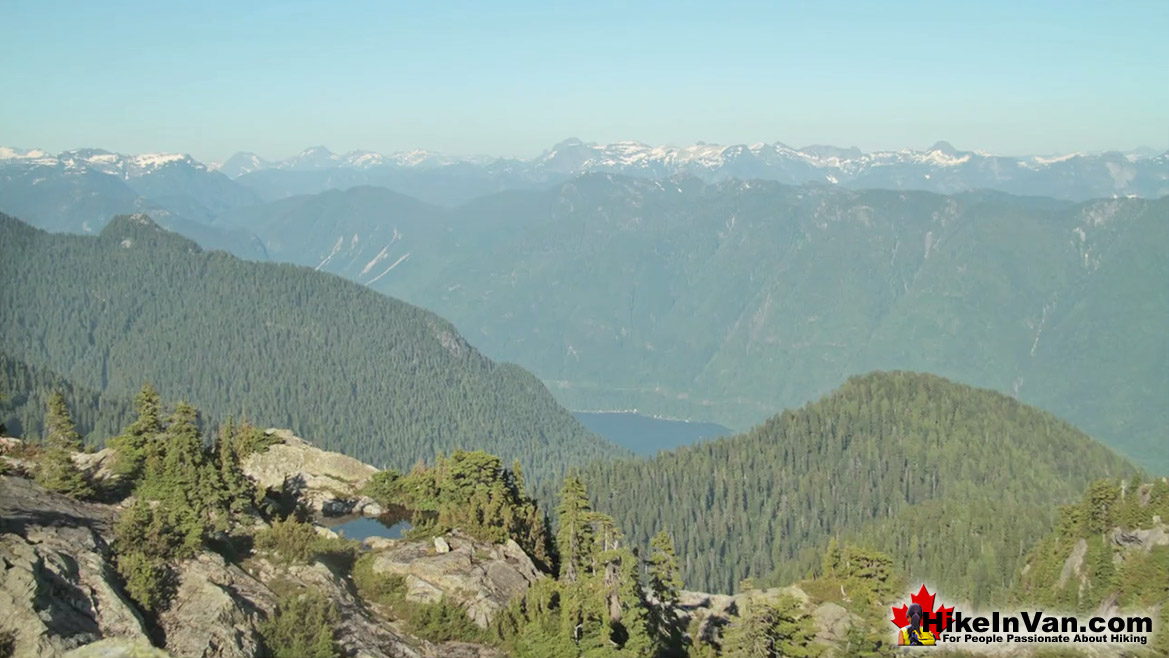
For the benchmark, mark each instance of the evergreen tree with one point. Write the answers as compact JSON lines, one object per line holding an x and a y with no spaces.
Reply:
{"x":750,"y":635}
{"x":60,"y":431}
{"x":135,"y":442}
{"x":56,"y":470}
{"x":769,"y":629}
{"x":574,"y":539}
{"x":239,"y":493}
{"x":664,"y":582}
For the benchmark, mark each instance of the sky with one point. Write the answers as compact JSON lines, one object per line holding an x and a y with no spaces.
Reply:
{"x":513,"y":78}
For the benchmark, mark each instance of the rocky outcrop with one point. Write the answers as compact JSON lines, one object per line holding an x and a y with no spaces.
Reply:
{"x":831,"y":621}
{"x":117,"y":648}
{"x":219,"y":607}
{"x":216,"y":610}
{"x":58,"y":588}
{"x":1141,"y":539}
{"x":328,"y":482}
{"x":97,"y":466}
{"x":1074,"y":564}
{"x":360,"y":633}
{"x":480,"y":577}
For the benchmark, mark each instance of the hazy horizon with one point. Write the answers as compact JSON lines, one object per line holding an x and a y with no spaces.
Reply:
{"x":1150,"y":150}
{"x":272,"y":78}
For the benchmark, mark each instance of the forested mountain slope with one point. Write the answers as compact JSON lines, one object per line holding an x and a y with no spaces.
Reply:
{"x":886,"y":448}
{"x":25,"y":392}
{"x":373,"y":377}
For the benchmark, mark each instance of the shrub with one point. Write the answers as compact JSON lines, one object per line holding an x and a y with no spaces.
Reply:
{"x":384,"y":487}
{"x":384,"y":589}
{"x":298,"y":542}
{"x":442,"y":621}
{"x":301,"y":627}
{"x":149,"y":581}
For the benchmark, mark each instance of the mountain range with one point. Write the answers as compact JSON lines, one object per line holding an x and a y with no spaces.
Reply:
{"x":696,"y":297}
{"x":450,"y":180}
{"x":726,"y":301}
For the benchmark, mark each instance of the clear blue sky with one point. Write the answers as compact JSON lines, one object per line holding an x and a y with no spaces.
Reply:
{"x":512,"y":78}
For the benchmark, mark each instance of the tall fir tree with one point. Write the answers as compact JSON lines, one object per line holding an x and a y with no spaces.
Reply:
{"x":57,"y":471}
{"x":136,"y":442}
{"x":664,"y":581}
{"x":574,"y":538}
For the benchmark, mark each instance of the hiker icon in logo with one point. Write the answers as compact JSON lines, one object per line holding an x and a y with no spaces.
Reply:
{"x":920,"y":625}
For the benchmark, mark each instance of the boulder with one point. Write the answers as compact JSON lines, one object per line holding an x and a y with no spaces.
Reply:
{"x":328,"y":482}
{"x":832,"y":622}
{"x":380,"y":543}
{"x":369,"y":507}
{"x":480,"y":577}
{"x":97,"y":466}
{"x":58,"y":586}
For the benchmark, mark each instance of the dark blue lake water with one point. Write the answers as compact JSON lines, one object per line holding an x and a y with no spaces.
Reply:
{"x":645,"y":435}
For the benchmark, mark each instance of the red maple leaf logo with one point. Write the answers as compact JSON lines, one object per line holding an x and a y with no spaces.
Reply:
{"x":926,"y":600}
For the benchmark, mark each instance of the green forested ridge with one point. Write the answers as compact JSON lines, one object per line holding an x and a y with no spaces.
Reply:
{"x":728,"y":301}
{"x":1114,"y":530}
{"x":1106,"y":519}
{"x":376,"y":378}
{"x":25,"y":392}
{"x":934,"y":472}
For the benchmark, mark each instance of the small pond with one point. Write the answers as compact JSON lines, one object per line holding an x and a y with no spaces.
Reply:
{"x":363,"y":527}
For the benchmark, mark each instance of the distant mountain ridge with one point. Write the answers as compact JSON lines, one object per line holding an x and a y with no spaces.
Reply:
{"x":940,"y":168}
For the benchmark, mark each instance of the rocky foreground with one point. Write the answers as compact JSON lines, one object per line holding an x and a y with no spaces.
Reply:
{"x":60,"y":594}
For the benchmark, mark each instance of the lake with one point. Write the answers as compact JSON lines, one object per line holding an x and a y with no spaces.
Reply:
{"x":646,"y":435}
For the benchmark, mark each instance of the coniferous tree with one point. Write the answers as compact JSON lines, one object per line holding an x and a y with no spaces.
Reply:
{"x":574,"y":539}
{"x":664,"y":581}
{"x":60,"y":431}
{"x":56,"y":471}
{"x":134,"y":444}
{"x":769,"y":629}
